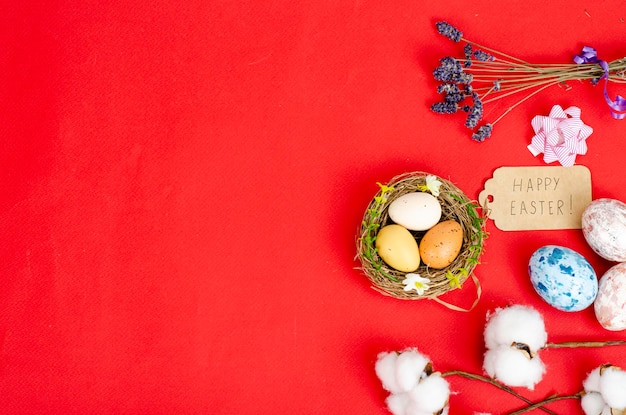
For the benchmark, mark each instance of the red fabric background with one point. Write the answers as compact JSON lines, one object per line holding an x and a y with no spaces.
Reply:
{"x":181,"y":185}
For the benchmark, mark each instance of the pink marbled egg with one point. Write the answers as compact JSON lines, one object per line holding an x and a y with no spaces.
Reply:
{"x":604,"y":228}
{"x":610,"y":303}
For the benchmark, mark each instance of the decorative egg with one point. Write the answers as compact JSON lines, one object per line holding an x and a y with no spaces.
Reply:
{"x":610,"y":304}
{"x":441,"y":244}
{"x":563,"y":278}
{"x":604,"y":228}
{"x":417,"y":211}
{"x":398,"y":248}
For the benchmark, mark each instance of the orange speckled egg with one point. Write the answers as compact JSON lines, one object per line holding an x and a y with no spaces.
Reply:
{"x":398,"y":248}
{"x":441,"y":244}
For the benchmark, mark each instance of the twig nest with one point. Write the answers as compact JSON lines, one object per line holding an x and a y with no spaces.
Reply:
{"x":442,"y":222}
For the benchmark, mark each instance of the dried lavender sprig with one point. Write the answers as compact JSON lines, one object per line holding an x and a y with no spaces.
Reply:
{"x":444,"y":107}
{"x":450,"y":70}
{"x":468,"y":55}
{"x":476,"y":113}
{"x":483,"y":56}
{"x":482,"y":133}
{"x":454,"y":34}
{"x":449,"y":31}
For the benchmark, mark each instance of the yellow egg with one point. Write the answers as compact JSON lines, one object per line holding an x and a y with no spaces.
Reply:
{"x":441,"y":244}
{"x":398,"y":248}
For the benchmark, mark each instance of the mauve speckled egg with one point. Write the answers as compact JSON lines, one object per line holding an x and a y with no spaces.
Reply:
{"x":563,"y":278}
{"x":610,"y":304}
{"x":604,"y":228}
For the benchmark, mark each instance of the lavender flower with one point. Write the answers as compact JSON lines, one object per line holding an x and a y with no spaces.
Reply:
{"x":449,"y":70}
{"x":444,"y":107}
{"x":449,"y":31}
{"x":483,"y":133}
{"x":448,"y":88}
{"x":455,"y":97}
{"x":476,"y":112}
{"x":468,"y":55}
{"x":483,"y":56}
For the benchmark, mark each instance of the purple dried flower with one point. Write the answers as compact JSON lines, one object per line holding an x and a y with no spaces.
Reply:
{"x":483,"y":56}
{"x":449,"y":69}
{"x":449,"y":31}
{"x":444,"y":107}
{"x":465,"y":78}
{"x":496,"y":85}
{"x":476,"y":113}
{"x":448,"y":88}
{"x":483,"y":133}
{"x":467,"y":50}
{"x":454,"y":97}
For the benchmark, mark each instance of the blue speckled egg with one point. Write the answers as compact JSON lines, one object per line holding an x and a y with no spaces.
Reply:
{"x":563,"y":278}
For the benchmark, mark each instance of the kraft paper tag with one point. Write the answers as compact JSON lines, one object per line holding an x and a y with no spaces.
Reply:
{"x":533,"y":198}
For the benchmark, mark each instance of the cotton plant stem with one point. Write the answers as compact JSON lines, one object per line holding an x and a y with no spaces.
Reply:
{"x":548,"y":400}
{"x":572,"y":345}
{"x":493,"y":382}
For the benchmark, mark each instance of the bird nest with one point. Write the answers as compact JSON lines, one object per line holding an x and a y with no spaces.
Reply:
{"x":455,"y":205}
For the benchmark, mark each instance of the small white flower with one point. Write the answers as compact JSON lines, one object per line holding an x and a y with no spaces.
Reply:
{"x":433,"y":184}
{"x":415,"y":282}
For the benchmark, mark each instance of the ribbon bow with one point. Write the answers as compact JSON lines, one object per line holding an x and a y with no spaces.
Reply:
{"x":589,"y":55}
{"x":560,"y":136}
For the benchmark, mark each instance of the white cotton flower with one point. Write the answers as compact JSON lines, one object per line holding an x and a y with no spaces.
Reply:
{"x":414,"y":389}
{"x":410,"y":369}
{"x":513,"y":366}
{"x":386,"y":371}
{"x":592,"y":381}
{"x":516,"y":324}
{"x":605,"y":389}
{"x":613,"y":387}
{"x":400,"y":372}
{"x":397,"y":403}
{"x":431,"y":394}
{"x":592,"y":403}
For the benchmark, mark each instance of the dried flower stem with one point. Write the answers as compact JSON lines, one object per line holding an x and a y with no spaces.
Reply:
{"x":548,"y":400}
{"x":572,"y":345}
{"x":493,"y":382}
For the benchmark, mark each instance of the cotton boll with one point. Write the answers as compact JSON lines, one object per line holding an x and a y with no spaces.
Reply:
{"x":431,"y":394}
{"x":414,"y":409}
{"x":517,"y":323}
{"x":613,"y":387}
{"x":512,"y":367}
{"x":409,"y":368}
{"x":397,"y":403}
{"x":592,"y":403}
{"x":386,"y":371}
{"x":592,"y":381}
